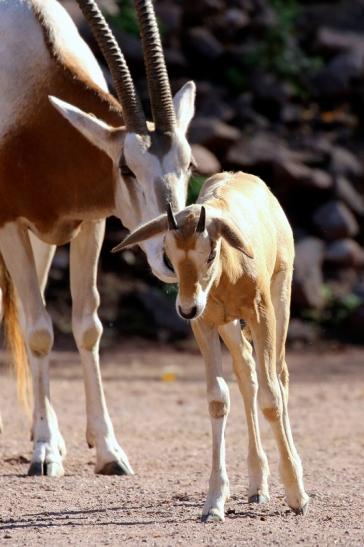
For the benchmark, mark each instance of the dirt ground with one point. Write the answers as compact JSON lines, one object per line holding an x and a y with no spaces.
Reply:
{"x":164,"y":428}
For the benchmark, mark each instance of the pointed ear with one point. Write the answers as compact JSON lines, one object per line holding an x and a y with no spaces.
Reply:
{"x":184,"y":105}
{"x":104,"y":136}
{"x":146,"y":231}
{"x":229,"y":231}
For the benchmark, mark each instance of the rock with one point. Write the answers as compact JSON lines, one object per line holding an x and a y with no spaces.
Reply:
{"x":207,"y":162}
{"x":302,"y":332}
{"x":345,"y":252}
{"x":258,"y":150}
{"x":347,"y":193}
{"x":354,"y":324}
{"x":336,"y":77}
{"x":197,"y":10}
{"x":170,"y":15}
{"x":210,"y":102}
{"x":334,"y":40}
{"x":344,"y":162}
{"x":269,"y":92}
{"x":245,"y":113}
{"x":335,"y":221}
{"x":235,"y":18}
{"x":308,"y":278}
{"x":158,"y":314}
{"x":291,"y":173}
{"x":202,"y":44}
{"x":213,"y":133}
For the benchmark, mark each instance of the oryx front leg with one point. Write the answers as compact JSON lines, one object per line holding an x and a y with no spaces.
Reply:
{"x":49,"y":448}
{"x":85,"y":249}
{"x":244,"y":368}
{"x":272,"y":403}
{"x":219,"y":406}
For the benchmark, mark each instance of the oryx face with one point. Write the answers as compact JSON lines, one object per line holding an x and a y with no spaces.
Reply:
{"x":151,"y":160}
{"x":156,"y":168}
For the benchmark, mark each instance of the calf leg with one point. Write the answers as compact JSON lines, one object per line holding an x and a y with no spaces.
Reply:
{"x":219,"y":406}
{"x":281,"y":296}
{"x":244,"y":367}
{"x":87,"y":329}
{"x":273,"y":405}
{"x":38,"y":334}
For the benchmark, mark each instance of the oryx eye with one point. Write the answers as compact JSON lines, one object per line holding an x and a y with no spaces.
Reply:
{"x":193,"y":164}
{"x":126,"y":171}
{"x":212,"y":255}
{"x":167,"y":262}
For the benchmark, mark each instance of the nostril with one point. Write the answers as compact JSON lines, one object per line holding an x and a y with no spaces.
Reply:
{"x":188,"y":315}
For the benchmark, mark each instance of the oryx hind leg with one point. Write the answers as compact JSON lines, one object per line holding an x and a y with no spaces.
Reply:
{"x":87,"y":329}
{"x":38,"y":336}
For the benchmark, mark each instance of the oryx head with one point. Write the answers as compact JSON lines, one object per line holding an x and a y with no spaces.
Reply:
{"x":152,"y":160}
{"x":192,"y":247}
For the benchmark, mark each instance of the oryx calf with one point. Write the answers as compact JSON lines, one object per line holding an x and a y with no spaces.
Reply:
{"x":233,"y":256}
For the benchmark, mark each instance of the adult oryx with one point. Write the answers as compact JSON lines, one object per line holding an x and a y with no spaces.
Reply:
{"x":66,"y":163}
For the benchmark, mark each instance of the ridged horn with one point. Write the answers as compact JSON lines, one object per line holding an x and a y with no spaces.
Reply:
{"x":160,"y":93}
{"x":172,"y":222}
{"x":201,"y":225}
{"x":132,"y":110}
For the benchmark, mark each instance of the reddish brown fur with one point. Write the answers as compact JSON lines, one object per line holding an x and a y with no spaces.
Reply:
{"x":47,"y":169}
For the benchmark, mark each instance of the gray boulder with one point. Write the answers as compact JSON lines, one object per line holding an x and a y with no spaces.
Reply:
{"x":307,"y":278}
{"x":335,"y":221}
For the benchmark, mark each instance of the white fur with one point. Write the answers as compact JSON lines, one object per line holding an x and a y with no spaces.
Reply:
{"x":25,"y":58}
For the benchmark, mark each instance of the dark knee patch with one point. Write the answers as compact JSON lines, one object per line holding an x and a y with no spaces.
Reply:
{"x":41,"y":342}
{"x":90,"y":337}
{"x":272,"y":414}
{"x":217,"y":409}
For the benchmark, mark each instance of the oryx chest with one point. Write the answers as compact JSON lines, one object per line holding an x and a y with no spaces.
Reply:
{"x":227,"y":305}
{"x":63,"y":231}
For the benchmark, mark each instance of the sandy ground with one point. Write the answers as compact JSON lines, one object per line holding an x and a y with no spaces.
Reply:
{"x":164,"y":427}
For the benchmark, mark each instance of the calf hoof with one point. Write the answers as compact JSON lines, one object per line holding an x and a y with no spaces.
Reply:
{"x":115,"y":468}
{"x":258,"y":498}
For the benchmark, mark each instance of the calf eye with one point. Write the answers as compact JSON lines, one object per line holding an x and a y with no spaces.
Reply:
{"x":126,"y":171}
{"x":211,"y":256}
{"x":167,"y":262}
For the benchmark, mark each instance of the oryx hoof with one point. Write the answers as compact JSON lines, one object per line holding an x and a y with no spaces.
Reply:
{"x":51,"y":469}
{"x":213,"y":516}
{"x":301,"y":510}
{"x":115,"y":468}
{"x":35,"y":469}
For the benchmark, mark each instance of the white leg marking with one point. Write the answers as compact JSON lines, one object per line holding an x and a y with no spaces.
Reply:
{"x":219,"y":406}
{"x":87,"y":329}
{"x":49,"y":446}
{"x":244,"y":367}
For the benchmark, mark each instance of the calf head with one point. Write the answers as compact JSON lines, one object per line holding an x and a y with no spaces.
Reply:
{"x":192,"y":246}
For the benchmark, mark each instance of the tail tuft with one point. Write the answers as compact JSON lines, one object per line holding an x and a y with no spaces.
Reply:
{"x":14,"y":337}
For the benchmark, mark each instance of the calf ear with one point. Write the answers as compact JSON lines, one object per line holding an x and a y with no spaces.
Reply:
{"x":231,"y":234}
{"x":99,"y":133}
{"x":146,"y":231}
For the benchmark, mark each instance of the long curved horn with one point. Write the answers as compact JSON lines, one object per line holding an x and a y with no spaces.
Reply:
{"x":201,"y":225}
{"x":132,"y":110}
{"x":172,"y":222}
{"x":160,"y":94}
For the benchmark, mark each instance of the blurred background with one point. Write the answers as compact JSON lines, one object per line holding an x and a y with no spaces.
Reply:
{"x":280,"y":93}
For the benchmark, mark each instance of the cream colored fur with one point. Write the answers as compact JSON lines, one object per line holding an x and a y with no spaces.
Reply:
{"x":238,"y":267}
